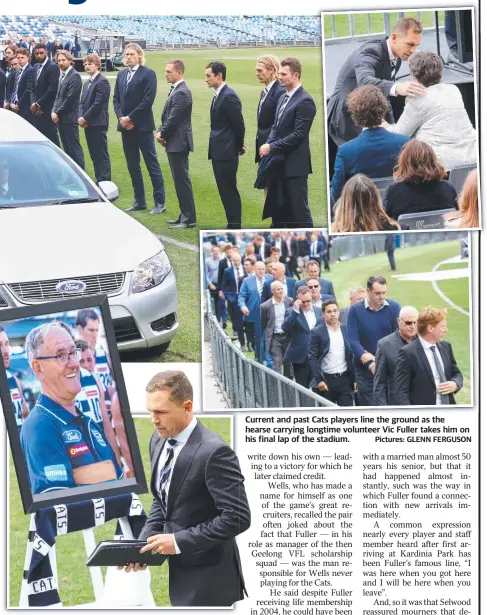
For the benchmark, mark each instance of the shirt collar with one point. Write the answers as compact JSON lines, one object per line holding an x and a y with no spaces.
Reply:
{"x":44,"y":63}
{"x":269,"y":85}
{"x":291,"y":92}
{"x":55,"y":409}
{"x":176,"y":83}
{"x":93,"y":77}
{"x":133,"y":68}
{"x":392,"y":57}
{"x":183,"y":436}
{"x":332,"y":329}
{"x":274,"y":302}
{"x":367,"y":306}
{"x":219,"y":89}
{"x":67,"y":70}
{"x":426,"y":344}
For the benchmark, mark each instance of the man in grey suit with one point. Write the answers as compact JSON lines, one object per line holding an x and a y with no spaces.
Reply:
{"x":357,"y":293}
{"x":65,"y":109}
{"x":375,"y":62}
{"x":199,"y":503}
{"x":272,"y":314}
{"x":387,"y":352}
{"x":176,"y":135}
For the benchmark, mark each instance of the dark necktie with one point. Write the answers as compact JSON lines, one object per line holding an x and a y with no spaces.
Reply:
{"x":39,"y":69}
{"x":260,"y":285}
{"x":444,"y":398}
{"x":213,"y":102}
{"x":166,"y":473}
{"x":130,"y":74}
{"x":393,"y":69}
{"x":261,"y":101}
{"x":170,"y":90}
{"x":287,"y":98}
{"x":61,"y":79}
{"x":90,"y":81}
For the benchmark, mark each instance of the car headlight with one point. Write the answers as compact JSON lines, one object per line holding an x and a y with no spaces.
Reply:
{"x":151,"y":272}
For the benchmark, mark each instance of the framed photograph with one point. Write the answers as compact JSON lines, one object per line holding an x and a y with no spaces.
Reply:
{"x":66,"y":408}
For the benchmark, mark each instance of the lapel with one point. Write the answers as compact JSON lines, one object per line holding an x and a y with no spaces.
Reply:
{"x":134,"y":79}
{"x":272,"y":315}
{"x":216,"y":103}
{"x":303,"y":321}
{"x":424,"y":359}
{"x":445,"y":358}
{"x":154,"y":463}
{"x":182,"y":465}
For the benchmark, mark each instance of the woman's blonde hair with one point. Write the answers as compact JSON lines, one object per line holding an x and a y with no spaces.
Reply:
{"x":468,"y":203}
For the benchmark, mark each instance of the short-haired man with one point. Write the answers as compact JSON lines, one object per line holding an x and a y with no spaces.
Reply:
{"x":212,"y":266}
{"x":426,"y":372}
{"x":45,"y":83}
{"x":88,"y":327}
{"x":299,"y":321}
{"x":65,"y":109}
{"x":279,"y":273}
{"x":16,"y":394}
{"x":176,"y":135}
{"x":355,"y":295}
{"x":232,"y":280}
{"x":62,"y":447}
{"x":11,"y":66}
{"x":199,"y":503}
{"x":287,"y":197}
{"x":387,"y":352}
{"x":267,"y":71}
{"x":316,"y":249}
{"x":134,"y":95}
{"x":330,"y":357}
{"x":20,"y":97}
{"x":316,"y":296}
{"x":313,"y":271}
{"x":375,"y":62}
{"x":272,"y":313}
{"x":93,"y":116}
{"x":368,"y":322}
{"x":226,"y":141}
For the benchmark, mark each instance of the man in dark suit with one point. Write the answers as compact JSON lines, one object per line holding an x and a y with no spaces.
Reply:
{"x":375,"y":151}
{"x":287,"y":197}
{"x":20,"y":95}
{"x":316,"y":249}
{"x":12,"y":65}
{"x":176,"y":135}
{"x":313,"y":271}
{"x":298,"y":323}
{"x":3,"y":84}
{"x":262,"y":247}
{"x":249,"y":301}
{"x":93,"y":117}
{"x":266,"y":71}
{"x":386,"y":355}
{"x":226,"y":141}
{"x":199,"y":504}
{"x":375,"y":62}
{"x":134,"y":95}
{"x":330,"y":357}
{"x":65,"y":109}
{"x":231,"y":283}
{"x":272,"y":314}
{"x":45,"y":81}
{"x":426,"y":372}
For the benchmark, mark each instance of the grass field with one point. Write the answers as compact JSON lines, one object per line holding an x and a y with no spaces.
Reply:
{"x":73,"y":576}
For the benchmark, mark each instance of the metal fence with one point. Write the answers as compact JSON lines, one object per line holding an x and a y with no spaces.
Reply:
{"x":245,"y":383}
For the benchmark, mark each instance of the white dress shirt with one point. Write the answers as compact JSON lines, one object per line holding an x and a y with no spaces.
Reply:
{"x":335,"y":361}
{"x":310,"y":318}
{"x":393,"y":61}
{"x":429,"y":355}
{"x":279,"y":312}
{"x":218,"y":90}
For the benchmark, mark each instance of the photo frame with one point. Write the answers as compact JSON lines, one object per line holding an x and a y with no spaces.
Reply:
{"x":30,"y":317}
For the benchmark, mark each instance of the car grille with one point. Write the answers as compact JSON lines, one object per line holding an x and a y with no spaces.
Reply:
{"x":126,"y":330}
{"x":45,"y":290}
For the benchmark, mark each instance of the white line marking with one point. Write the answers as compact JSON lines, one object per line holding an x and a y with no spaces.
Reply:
{"x":176,"y":242}
{"x":456,"y":259}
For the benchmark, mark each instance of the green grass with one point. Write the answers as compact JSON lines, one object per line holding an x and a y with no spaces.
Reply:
{"x":240,"y":76}
{"x":73,"y":577}
{"x":416,"y":259}
{"x":360,"y":21}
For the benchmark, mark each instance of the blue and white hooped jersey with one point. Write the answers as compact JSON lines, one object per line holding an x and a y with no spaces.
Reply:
{"x":102,"y":366}
{"x":16,"y":397}
{"x":88,"y":399}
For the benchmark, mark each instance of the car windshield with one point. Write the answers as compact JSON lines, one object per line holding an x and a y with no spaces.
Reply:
{"x":35,"y":174}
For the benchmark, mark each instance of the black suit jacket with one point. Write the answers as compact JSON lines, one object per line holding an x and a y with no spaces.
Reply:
{"x":93,"y":106}
{"x":3,"y":83}
{"x":176,"y":120}
{"x":206,"y":508}
{"x":319,"y":347}
{"x":227,"y":126}
{"x":291,"y":135}
{"x":368,"y":65}
{"x":414,"y":383}
{"x":9,"y":85}
{"x":137,"y":99}
{"x":44,"y":89}
{"x":24,"y":90}
{"x":385,"y":367}
{"x":66,"y":102}
{"x":222,"y":265}
{"x":265,"y":119}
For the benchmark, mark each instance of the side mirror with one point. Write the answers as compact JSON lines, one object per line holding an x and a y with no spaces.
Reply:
{"x":110,"y":190}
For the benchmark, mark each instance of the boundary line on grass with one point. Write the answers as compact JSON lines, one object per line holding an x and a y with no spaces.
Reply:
{"x":178,"y":243}
{"x":441,"y":293}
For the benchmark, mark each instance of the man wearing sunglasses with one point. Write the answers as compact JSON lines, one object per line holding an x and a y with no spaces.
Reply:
{"x":62,"y":447}
{"x":317,"y":296}
{"x":387,"y":352}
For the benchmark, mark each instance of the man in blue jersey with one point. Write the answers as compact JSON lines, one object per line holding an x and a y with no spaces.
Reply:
{"x":88,"y":326}
{"x":63,"y":448}
{"x":20,"y":407}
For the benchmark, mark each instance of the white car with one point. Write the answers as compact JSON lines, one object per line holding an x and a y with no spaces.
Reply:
{"x":60,"y":237}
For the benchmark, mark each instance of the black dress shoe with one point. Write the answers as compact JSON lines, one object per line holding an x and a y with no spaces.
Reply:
{"x":182,"y":225}
{"x":177,"y":221}
{"x":158,"y":209}
{"x":136,"y":207}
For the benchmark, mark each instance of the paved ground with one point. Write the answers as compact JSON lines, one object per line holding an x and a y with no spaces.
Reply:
{"x":213,"y":398}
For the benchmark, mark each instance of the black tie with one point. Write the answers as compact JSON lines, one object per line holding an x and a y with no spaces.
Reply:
{"x":444,"y":398}
{"x":213,"y":103}
{"x":166,"y":473}
{"x":263,"y":94}
{"x":170,"y":90}
{"x":130,"y":74}
{"x":394,"y":69}
{"x":287,"y":98}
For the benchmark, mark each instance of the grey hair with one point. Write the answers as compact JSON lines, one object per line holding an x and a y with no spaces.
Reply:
{"x":408,"y":308}
{"x":37,"y":336}
{"x":426,"y":67}
{"x":274,"y":284}
{"x":355,"y":289}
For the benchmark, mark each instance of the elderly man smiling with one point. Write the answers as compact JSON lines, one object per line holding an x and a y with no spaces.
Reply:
{"x":62,"y":447}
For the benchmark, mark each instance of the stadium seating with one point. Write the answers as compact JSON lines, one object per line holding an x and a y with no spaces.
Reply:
{"x":458,"y":175}
{"x":427,"y":221}
{"x":15,"y":27}
{"x":383,"y":183}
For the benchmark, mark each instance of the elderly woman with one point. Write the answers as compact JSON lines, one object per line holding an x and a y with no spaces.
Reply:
{"x":439,"y":117}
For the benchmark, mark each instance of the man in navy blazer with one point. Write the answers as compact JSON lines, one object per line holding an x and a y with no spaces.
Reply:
{"x":249,"y":300}
{"x":20,"y":95}
{"x":313,"y":271}
{"x":316,"y":249}
{"x":65,"y":109}
{"x":226,"y":141}
{"x":331,"y":358}
{"x":10,"y":74}
{"x":232,"y":280}
{"x":93,"y":117}
{"x":134,"y":95}
{"x":266,"y":71}
{"x":288,"y":191}
{"x":376,"y":150}
{"x":45,"y":82}
{"x":298,"y":323}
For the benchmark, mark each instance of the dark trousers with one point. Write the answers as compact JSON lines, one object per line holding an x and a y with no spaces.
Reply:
{"x":134,"y":142}
{"x":277,"y":348}
{"x":179,"y":164}
{"x":365,"y":384}
{"x":44,"y":124}
{"x":253,"y":328}
{"x":295,"y":212}
{"x":225,"y":172}
{"x":96,"y":139}
{"x":302,"y":374}
{"x":237,"y":321}
{"x":216,"y":303}
{"x":340,"y":389}
{"x":69,"y":133}
{"x":332,"y":154}
{"x":451,"y":30}
{"x":392,"y":260}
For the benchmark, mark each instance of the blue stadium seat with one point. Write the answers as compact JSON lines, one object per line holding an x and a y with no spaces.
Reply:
{"x":458,"y":175}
